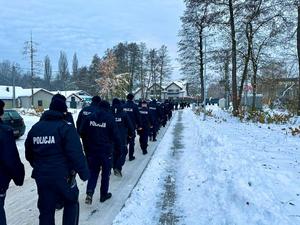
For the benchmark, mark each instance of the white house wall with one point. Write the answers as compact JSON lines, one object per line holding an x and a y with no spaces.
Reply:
{"x":45,"y":97}
{"x":25,"y":102}
{"x":177,"y":92}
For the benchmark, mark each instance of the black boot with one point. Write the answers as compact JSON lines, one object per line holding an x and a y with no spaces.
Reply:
{"x":89,"y":199}
{"x":105,"y":197}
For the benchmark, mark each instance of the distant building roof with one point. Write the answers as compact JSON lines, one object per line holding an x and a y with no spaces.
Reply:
{"x":68,"y":93}
{"x":6,"y":92}
{"x":178,"y":83}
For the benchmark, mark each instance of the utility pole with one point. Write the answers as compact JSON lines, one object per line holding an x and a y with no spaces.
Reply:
{"x":30,"y":51}
{"x":31,"y":68}
{"x":13,"y":74}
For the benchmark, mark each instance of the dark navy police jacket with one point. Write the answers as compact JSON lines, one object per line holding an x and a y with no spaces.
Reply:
{"x":133,"y":112}
{"x":124,"y":124}
{"x":154,"y":112}
{"x":100,"y":134}
{"x":11,"y":167}
{"x":146,"y":119}
{"x":53,"y":148}
{"x":86,"y":111}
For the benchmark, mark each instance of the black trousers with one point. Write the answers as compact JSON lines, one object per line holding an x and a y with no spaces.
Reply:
{"x":95,"y":163}
{"x":120,"y":158}
{"x":2,"y":212}
{"x":144,"y":135}
{"x":50,"y":190}
{"x":131,"y":143}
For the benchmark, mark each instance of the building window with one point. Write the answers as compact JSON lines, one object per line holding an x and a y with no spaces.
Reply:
{"x":40,"y":103}
{"x":72,"y":99}
{"x":170,"y":90}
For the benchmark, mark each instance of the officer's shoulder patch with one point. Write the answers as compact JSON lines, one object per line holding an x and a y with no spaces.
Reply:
{"x":67,"y":122}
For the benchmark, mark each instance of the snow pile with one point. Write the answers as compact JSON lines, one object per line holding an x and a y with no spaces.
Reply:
{"x":141,"y":207}
{"x":225,"y":183}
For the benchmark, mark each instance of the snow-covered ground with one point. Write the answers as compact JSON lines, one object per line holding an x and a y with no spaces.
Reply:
{"x":218,"y":171}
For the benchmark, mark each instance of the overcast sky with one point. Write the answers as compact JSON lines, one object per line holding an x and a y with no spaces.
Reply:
{"x":86,"y":27}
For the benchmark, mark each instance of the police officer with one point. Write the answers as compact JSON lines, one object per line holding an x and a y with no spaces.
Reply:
{"x":133,"y":112}
{"x":88,"y":110}
{"x":100,"y":135}
{"x":53,"y":149}
{"x":11,"y":167}
{"x":126,"y":131}
{"x":168,"y":109}
{"x":163,"y":118}
{"x":154,"y":114}
{"x":67,"y":115}
{"x":69,"y":118}
{"x":147,"y":124}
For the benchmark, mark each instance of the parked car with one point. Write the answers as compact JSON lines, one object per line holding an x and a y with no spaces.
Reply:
{"x":12,"y":118}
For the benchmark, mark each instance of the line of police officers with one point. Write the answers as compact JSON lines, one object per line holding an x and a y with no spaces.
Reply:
{"x":54,"y":151}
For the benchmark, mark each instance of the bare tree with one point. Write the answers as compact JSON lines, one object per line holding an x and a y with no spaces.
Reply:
{"x":142,"y":67}
{"x":164,"y":67}
{"x":152,"y":64}
{"x":298,"y":52}
{"x":47,"y":72}
{"x":233,"y":59}
{"x":191,"y":46}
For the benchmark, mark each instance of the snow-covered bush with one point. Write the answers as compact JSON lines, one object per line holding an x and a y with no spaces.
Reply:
{"x":266,"y":116}
{"x":199,"y":110}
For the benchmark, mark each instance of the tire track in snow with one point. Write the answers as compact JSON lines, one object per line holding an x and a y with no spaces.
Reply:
{"x":168,"y":213}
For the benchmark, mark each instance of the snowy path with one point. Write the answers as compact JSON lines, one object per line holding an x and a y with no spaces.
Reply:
{"x":212,"y":172}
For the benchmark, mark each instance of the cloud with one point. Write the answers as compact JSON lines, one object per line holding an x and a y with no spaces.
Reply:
{"x":86,"y":27}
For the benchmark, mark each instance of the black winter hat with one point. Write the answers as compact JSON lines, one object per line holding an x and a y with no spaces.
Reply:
{"x":60,"y":97}
{"x":116,"y":101}
{"x":144,"y":103}
{"x":2,"y":104}
{"x":58,"y":104}
{"x":130,"y":96}
{"x":104,"y":104}
{"x":96,"y":99}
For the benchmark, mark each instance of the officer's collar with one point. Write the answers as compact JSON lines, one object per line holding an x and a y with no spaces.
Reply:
{"x":52,"y":115}
{"x":94,"y":104}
